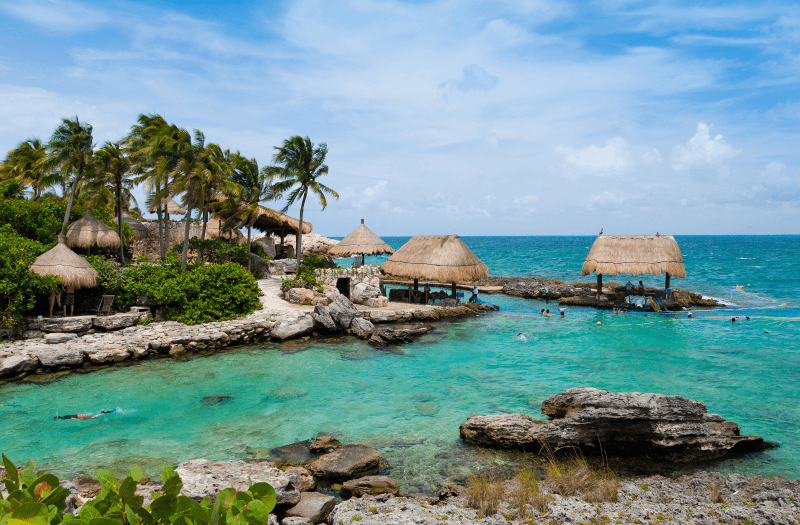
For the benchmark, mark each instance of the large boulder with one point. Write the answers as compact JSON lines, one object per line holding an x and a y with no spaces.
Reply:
{"x":382,"y":337}
{"x":377,"y":302}
{"x":67,"y":324}
{"x":289,"y":326}
{"x":313,"y":506}
{"x":669,"y":428}
{"x":302,"y":478}
{"x":204,"y":479}
{"x":361,"y":327}
{"x":13,"y":364}
{"x":384,"y":316}
{"x":299,"y":295}
{"x":343,"y":312}
{"x":369,"y":485}
{"x":54,"y":356}
{"x":322,"y":318}
{"x":363,"y":291}
{"x":58,"y":338}
{"x":116,"y":322}
{"x":347,"y":462}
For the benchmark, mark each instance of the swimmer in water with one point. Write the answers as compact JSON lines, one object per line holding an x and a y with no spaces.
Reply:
{"x":521,"y":337}
{"x":563,"y":315}
{"x":616,"y":311}
{"x":547,"y":313}
{"x":690,"y":315}
{"x":85,"y":416}
{"x":734,"y":320}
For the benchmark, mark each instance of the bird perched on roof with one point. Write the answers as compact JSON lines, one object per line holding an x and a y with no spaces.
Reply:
{"x":657,"y":235}
{"x":601,"y":232}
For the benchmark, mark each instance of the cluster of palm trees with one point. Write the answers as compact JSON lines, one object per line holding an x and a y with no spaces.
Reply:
{"x":170,"y":161}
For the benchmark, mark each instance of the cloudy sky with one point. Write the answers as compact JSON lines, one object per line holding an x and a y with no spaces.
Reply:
{"x":524,"y":117}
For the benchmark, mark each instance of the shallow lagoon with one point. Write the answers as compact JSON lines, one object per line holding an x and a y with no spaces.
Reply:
{"x":409,"y":402}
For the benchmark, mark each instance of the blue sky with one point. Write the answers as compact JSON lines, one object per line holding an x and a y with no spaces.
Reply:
{"x":476,"y":118}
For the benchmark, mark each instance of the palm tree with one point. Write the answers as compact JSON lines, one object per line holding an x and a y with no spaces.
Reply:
{"x":27,"y":164}
{"x":215,"y":180}
{"x":71,"y":152}
{"x":302,"y":164}
{"x":116,"y":165}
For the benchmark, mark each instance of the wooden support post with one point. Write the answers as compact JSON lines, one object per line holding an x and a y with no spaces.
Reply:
{"x":283,"y":250}
{"x":599,"y":284}
{"x":409,"y":295}
{"x":454,"y":289}
{"x":416,"y":284}
{"x":666,"y":282}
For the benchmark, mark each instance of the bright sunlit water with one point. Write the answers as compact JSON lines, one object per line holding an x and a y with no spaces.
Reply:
{"x":410,"y":401}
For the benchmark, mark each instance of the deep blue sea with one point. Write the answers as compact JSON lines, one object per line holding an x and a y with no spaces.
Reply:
{"x":409,"y":401}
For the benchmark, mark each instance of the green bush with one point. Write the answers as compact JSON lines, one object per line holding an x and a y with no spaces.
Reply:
{"x":18,"y":286}
{"x":36,"y":498}
{"x":199,"y":294}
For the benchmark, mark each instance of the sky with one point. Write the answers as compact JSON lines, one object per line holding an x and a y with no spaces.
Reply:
{"x":526,"y":117}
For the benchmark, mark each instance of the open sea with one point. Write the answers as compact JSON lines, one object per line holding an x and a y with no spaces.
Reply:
{"x":409,"y":401}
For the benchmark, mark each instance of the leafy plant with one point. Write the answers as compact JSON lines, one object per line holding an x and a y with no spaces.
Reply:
{"x":38,"y":499}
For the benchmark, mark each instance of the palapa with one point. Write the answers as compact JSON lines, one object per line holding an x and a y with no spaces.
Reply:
{"x":87,"y":232}
{"x":270,"y":220}
{"x":74,"y":270}
{"x":140,"y":231}
{"x":444,"y":258}
{"x":171,"y":207}
{"x":634,"y":255}
{"x":361,"y":241}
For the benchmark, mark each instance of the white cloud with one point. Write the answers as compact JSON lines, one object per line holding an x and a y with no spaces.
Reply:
{"x":369,"y":195}
{"x":652,"y":156}
{"x":605,"y":200}
{"x":612,"y":159}
{"x":58,"y":15}
{"x":702,"y":151}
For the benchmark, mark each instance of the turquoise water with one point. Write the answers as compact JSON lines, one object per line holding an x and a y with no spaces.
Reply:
{"x":410,"y":401}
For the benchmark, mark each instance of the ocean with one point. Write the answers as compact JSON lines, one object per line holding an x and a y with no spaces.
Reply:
{"x":408,"y":401}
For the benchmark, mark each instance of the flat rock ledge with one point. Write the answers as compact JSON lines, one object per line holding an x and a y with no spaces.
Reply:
{"x":666,"y":428}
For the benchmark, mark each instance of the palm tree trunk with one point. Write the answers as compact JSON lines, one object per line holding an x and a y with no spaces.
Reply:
{"x":119,"y":219}
{"x":249,"y":259}
{"x":160,"y":225}
{"x":167,"y":228}
{"x":300,"y":231}
{"x":205,"y":221}
{"x":69,"y":204}
{"x":189,"y":204}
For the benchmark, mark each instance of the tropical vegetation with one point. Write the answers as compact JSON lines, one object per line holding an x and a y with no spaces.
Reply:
{"x":46,"y":185}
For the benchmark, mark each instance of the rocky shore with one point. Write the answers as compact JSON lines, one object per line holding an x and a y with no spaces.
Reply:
{"x":585,"y":294}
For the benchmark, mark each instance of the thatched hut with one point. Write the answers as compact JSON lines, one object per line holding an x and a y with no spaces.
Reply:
{"x":634,"y":255}
{"x":140,"y":231}
{"x":443,"y":258}
{"x":361,"y":241}
{"x":74,"y":270}
{"x":171,"y":207}
{"x":88,"y":232}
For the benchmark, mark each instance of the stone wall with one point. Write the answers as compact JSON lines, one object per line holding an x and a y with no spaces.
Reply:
{"x":370,"y":275}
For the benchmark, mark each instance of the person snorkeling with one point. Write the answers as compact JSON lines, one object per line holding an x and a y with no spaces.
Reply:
{"x":85,"y":416}
{"x":547,"y":313}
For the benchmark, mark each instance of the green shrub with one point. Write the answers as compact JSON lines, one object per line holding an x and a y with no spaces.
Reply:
{"x":305,"y":279}
{"x":199,"y":294}
{"x":38,"y":499}
{"x":18,"y":286}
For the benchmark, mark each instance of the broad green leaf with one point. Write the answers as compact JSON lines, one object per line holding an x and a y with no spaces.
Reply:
{"x":105,"y":521}
{"x":136,"y":474}
{"x":32,"y":512}
{"x":265,"y":493}
{"x":244,"y":495}
{"x":127,"y":489}
{"x":88,"y":512}
{"x":11,"y":472}
{"x":12,"y":521}
{"x":131,"y":516}
{"x":164,"y":507}
{"x":28,"y":474}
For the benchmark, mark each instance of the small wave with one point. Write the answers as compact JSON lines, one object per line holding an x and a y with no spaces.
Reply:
{"x":747,"y":258}
{"x":723,"y":302}
{"x":120,"y":410}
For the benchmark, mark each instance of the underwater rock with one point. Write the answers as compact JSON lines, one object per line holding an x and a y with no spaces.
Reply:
{"x":219,"y":399}
{"x":347,"y":462}
{"x":669,"y":428}
{"x":371,"y":485}
{"x":386,"y":336}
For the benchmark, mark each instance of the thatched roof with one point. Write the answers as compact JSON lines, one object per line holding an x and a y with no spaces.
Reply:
{"x":140,"y":231}
{"x":214,"y":230}
{"x":634,"y":255}
{"x":361,"y":241}
{"x":172,"y":207}
{"x":270,"y":220}
{"x":87,"y":232}
{"x":62,"y":262}
{"x":444,"y":258}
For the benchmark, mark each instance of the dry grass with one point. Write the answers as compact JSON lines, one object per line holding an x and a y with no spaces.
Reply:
{"x":484,"y":493}
{"x":528,"y":492}
{"x":716,"y":495}
{"x":443,"y":258}
{"x":635,"y":255}
{"x":576,"y":477}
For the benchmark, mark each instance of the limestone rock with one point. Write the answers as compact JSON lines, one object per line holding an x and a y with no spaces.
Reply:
{"x":363,"y":291}
{"x":67,"y":324}
{"x":385,"y":336}
{"x":116,"y":322}
{"x":302,"y":478}
{"x":371,"y":485}
{"x":299,"y":296}
{"x":330,"y":292}
{"x":324,"y":444}
{"x":56,"y":356}
{"x":343,"y":312}
{"x":361,"y":327}
{"x":313,"y":506}
{"x":57,"y":338}
{"x":670,"y":428}
{"x":204,"y":479}
{"x":294,"y":520}
{"x":384,"y":316}
{"x":113,"y":353}
{"x":377,"y":302}
{"x":32,"y":334}
{"x":16,"y":364}
{"x":347,"y":462}
{"x":322,"y":318}
{"x":289,"y":326}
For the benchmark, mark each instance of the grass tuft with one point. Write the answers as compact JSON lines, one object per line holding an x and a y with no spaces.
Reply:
{"x":484,"y":493}
{"x":716,"y":495}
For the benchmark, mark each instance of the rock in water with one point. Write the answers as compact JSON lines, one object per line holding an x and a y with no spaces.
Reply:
{"x":313,"y":506}
{"x":371,"y":485}
{"x":219,"y":399}
{"x":669,"y":428}
{"x":324,"y":444}
{"x":342,"y":311}
{"x":204,"y":479}
{"x":347,"y":462}
{"x":289,"y":325}
{"x":361,"y":327}
{"x":322,"y":318}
